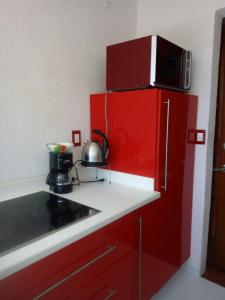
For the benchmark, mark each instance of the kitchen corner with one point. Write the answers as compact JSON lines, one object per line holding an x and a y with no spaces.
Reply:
{"x":126,"y":201}
{"x":79,"y":239}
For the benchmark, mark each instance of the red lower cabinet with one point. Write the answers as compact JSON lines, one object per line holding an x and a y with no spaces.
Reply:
{"x":156,"y":266}
{"x":130,"y":259}
{"x":99,"y":266}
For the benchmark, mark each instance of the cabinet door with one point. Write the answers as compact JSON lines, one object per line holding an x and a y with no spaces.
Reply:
{"x":174,"y":180}
{"x":156,"y":268}
{"x":172,"y":139}
{"x":167,"y":221}
{"x":150,"y":262}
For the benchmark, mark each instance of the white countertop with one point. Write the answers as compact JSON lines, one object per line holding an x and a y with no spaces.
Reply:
{"x":113,"y":200}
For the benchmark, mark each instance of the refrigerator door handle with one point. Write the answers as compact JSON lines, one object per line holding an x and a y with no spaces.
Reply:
{"x":165,"y":186}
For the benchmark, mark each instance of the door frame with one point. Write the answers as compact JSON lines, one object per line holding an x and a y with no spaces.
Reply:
{"x":219,"y":16}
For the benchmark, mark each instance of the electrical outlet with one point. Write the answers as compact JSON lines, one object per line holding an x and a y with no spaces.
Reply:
{"x":196,"y":136}
{"x":76,"y":137}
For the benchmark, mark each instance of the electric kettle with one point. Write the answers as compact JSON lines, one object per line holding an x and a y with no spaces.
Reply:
{"x":94,"y":154}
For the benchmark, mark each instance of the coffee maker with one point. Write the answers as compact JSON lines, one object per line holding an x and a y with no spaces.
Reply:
{"x":59,"y":178}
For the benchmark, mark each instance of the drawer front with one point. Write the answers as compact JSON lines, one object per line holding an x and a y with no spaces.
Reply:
{"x":114,"y":283}
{"x":109,"y":243}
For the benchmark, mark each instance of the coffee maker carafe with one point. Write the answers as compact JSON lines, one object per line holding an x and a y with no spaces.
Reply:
{"x":59,"y":178}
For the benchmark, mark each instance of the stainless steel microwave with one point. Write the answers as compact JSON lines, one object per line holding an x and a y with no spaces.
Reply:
{"x":150,"y":61}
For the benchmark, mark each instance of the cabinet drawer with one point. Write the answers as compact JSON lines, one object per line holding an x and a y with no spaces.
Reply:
{"x":109,"y":243}
{"x":116,"y":283}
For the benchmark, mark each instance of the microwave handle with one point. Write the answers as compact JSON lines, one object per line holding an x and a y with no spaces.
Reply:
{"x":187,"y":70}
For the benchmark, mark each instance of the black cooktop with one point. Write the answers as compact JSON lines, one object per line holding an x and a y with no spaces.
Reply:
{"x":30,"y":217}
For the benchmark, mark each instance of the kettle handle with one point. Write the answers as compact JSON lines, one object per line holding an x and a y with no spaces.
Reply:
{"x":105,"y":149}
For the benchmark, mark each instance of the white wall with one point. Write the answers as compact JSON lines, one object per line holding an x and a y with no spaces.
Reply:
{"x":52,"y":56}
{"x":190,"y":24}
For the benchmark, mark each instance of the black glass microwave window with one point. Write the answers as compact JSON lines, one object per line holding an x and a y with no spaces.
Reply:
{"x":169,"y":61}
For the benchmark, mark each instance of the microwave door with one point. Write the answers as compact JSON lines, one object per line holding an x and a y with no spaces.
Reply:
{"x":187,"y":57}
{"x":167,"y":61}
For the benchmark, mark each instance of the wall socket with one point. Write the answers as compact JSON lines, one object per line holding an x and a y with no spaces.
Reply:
{"x":196,"y":136}
{"x":76,"y":137}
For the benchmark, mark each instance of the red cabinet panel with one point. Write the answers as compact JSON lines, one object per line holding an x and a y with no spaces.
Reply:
{"x":154,"y":267}
{"x":176,"y":200}
{"x":132,"y":120}
{"x":169,"y":219}
{"x":98,"y":110}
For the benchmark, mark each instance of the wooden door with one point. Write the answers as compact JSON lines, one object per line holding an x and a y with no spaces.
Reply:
{"x":216,"y":245}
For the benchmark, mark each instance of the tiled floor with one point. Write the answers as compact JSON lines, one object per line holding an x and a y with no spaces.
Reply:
{"x":186,"y":286}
